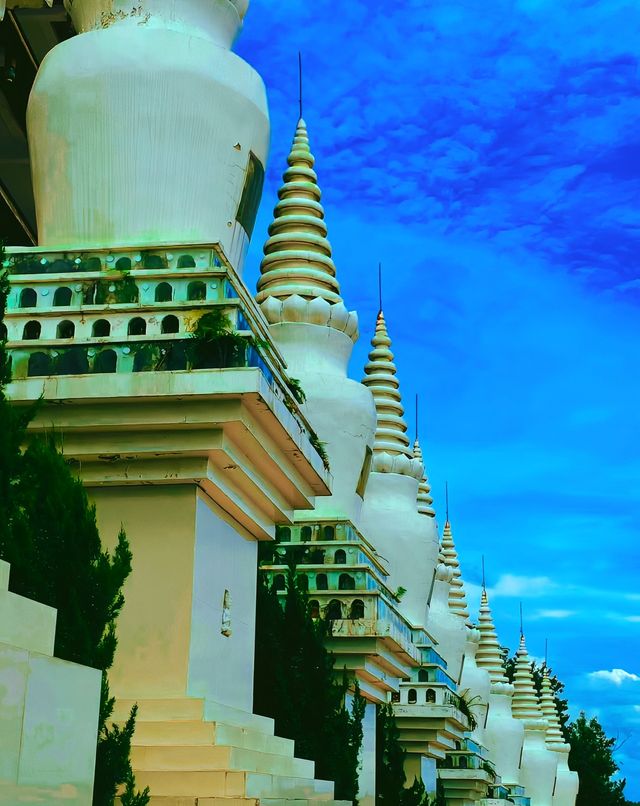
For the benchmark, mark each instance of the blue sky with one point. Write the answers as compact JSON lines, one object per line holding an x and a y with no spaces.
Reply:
{"x":488,"y":154}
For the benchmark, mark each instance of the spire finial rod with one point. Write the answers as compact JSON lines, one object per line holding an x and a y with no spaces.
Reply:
{"x":484,"y":581}
{"x":446,"y":494}
{"x":300,"y":81}
{"x":521,"y":622}
{"x":417,"y":413}
{"x":379,"y":287}
{"x":546,"y":651}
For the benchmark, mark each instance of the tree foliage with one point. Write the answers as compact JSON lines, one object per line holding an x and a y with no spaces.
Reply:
{"x":591,"y":757}
{"x":49,"y":536}
{"x":295,"y":684}
{"x":391,"y":779}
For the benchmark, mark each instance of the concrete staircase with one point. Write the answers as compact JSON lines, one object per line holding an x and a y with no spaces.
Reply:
{"x":188,"y":756}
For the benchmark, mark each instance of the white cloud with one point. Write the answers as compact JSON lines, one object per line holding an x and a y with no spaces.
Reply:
{"x":521,"y":586}
{"x":615,"y":676}
{"x":542,"y":614}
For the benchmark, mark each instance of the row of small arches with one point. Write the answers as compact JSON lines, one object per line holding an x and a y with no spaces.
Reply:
{"x":412,"y":696}
{"x":100,"y":329}
{"x":334,"y":611}
{"x":63,"y":296}
{"x":306,"y":533}
{"x":345,"y":582}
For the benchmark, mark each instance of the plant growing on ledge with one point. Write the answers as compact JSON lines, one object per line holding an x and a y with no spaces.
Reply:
{"x":296,"y":390}
{"x":216,"y":345}
{"x":314,"y":439}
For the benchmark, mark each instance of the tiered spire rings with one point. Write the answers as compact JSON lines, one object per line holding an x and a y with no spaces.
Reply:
{"x":457,"y":595}
{"x":489,"y":656}
{"x":391,"y":452}
{"x":550,"y":711}
{"x":525,"y":703}
{"x":425,"y":500}
{"x":298,"y":276}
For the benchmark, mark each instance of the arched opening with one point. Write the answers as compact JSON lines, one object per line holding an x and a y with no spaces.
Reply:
{"x":279,"y":582}
{"x":340,"y":557}
{"x":346,"y":582}
{"x":137,"y":327}
{"x":329,"y":532}
{"x":65,"y":330}
{"x":186,"y":262}
{"x":305,"y":533}
{"x":28,"y":298}
{"x":334,"y":610}
{"x":423,"y":676}
{"x":462,"y":762}
{"x":395,"y":696}
{"x":430,"y":695}
{"x":458,"y":745}
{"x":32,"y":330}
{"x":322,"y":583}
{"x":170,"y":324}
{"x":152,"y":262}
{"x":164,"y":292}
{"x":73,"y":362}
{"x":303,"y":580}
{"x":314,"y":609}
{"x":40,"y":364}
{"x":106,"y":361}
{"x":196,"y":291}
{"x":412,"y":697}
{"x":62,"y":297}
{"x":283,"y":533}
{"x":123,"y":264}
{"x":101,"y":328}
{"x":357,"y":609}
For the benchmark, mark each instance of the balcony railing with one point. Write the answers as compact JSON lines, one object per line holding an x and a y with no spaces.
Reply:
{"x":102,"y":312}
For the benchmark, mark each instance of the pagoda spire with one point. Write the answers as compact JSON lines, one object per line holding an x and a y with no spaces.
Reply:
{"x":525,"y":699}
{"x":391,"y":451}
{"x":488,"y":655}
{"x":550,"y":711}
{"x":297,"y":275}
{"x":457,"y":595}
{"x":425,"y":499}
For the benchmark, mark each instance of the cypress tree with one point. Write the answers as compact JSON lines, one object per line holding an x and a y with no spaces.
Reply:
{"x":295,"y":684}
{"x":49,"y":536}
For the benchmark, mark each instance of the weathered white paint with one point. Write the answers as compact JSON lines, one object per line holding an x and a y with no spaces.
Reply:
{"x":220,"y":666}
{"x":152,"y":145}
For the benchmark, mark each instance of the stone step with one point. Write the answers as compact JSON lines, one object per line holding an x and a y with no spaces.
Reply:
{"x":199,"y":733}
{"x":189,"y":709}
{"x":221,"y":784}
{"x":217,"y":757}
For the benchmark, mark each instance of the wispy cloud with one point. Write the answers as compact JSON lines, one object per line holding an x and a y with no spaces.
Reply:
{"x":615,"y":676}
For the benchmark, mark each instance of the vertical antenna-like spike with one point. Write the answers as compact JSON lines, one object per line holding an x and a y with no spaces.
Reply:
{"x":546,"y":650}
{"x":300,"y":81}
{"x":417,"y":411}
{"x":379,"y":287}
{"x":521,"y":622}
{"x":446,"y":493}
{"x":484,"y":581}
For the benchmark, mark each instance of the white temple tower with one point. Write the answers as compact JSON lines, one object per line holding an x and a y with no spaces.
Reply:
{"x":158,"y":87}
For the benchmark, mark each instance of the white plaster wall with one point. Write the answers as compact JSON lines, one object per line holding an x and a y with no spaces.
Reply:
{"x":367,"y":772}
{"x":48,"y":710}
{"x":504,"y":735}
{"x":478,"y":683}
{"x":152,"y":146}
{"x":567,"y":784}
{"x":340,"y":409}
{"x":408,"y":540}
{"x":539,"y":765}
{"x":221,"y":667}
